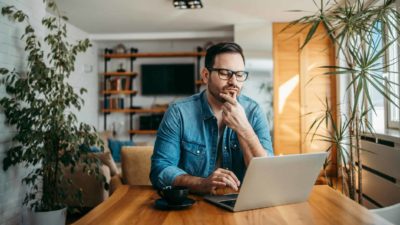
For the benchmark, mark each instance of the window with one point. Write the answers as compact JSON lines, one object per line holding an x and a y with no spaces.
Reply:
{"x":393,"y":112}
{"x":377,"y":117}
{"x":387,"y":114}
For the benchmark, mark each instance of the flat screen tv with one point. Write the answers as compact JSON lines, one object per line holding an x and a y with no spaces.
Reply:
{"x":168,"y":79}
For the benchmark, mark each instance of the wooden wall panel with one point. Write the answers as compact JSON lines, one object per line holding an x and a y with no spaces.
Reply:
{"x":300,"y":88}
{"x":287,"y":138}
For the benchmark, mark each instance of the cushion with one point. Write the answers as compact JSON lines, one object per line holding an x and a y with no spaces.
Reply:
{"x":95,"y":149}
{"x":116,"y":146}
{"x":106,"y":159}
{"x":104,"y":136}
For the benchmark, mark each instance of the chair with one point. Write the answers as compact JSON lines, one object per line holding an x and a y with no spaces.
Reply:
{"x":390,"y":213}
{"x":135,"y":164}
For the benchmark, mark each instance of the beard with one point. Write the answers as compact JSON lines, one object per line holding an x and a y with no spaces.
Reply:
{"x":227,"y":89}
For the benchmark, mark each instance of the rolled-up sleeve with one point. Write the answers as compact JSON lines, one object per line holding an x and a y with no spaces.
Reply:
{"x":261,"y":128}
{"x":166,"y":155}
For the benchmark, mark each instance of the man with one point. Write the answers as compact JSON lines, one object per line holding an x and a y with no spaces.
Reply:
{"x":206,"y":141}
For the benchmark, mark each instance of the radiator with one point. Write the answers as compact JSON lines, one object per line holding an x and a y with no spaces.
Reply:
{"x":381,"y":171}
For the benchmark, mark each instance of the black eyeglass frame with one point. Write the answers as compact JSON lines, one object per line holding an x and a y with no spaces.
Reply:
{"x":230,"y":73}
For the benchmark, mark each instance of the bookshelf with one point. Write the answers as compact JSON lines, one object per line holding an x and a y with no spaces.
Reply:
{"x":120,"y":83}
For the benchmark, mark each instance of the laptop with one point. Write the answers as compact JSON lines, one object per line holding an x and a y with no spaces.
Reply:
{"x":272,"y":181}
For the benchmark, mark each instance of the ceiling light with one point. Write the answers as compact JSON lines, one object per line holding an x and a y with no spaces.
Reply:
{"x":188,"y":4}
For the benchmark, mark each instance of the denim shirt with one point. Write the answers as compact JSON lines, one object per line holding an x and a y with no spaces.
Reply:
{"x":187,"y":140}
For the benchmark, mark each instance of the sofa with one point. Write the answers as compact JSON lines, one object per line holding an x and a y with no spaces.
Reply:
{"x":93,"y":191}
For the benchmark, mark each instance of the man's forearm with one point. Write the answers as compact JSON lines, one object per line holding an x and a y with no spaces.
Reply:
{"x":193,"y":183}
{"x":250,"y":144}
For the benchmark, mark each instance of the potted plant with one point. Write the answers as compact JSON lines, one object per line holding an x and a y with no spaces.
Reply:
{"x":363,"y":32}
{"x":38,"y":104}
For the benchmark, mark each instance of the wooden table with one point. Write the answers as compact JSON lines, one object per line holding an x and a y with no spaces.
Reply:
{"x":135,"y":205}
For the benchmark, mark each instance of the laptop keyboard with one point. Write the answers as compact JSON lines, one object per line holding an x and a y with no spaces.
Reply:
{"x":230,"y":203}
{"x":231,"y":195}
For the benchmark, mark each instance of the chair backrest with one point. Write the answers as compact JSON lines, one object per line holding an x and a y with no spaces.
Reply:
{"x":390,"y":213}
{"x":135,"y":164}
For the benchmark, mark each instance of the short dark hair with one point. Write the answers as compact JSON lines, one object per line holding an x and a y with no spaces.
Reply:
{"x":223,"y":47}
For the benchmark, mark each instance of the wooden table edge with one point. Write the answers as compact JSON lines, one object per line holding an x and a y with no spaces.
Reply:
{"x":104,"y":206}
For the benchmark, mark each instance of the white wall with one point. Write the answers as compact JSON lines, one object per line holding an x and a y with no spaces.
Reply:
{"x":86,"y":76}
{"x":12,"y":55}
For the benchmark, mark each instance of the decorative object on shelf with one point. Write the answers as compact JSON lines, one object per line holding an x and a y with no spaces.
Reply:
{"x":120,"y":48}
{"x":116,"y":128}
{"x":121,"y":68}
{"x":39,"y":106}
{"x":188,"y":4}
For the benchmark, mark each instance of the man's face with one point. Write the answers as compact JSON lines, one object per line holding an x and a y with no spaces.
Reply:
{"x":230,"y":61}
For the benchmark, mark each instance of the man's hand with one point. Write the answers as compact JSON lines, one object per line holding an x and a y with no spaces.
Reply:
{"x":233,"y":114}
{"x":220,"y":178}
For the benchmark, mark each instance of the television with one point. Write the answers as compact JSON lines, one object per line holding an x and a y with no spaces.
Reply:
{"x":168,"y":79}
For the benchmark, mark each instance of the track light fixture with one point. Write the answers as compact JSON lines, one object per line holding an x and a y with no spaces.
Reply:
{"x":188,"y":4}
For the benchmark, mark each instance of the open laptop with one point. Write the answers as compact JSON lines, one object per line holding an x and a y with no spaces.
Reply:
{"x":272,"y":181}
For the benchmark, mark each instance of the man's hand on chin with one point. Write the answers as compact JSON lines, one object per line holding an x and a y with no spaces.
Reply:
{"x":233,"y":114}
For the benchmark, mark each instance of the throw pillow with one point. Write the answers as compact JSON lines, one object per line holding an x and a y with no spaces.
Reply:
{"x":95,"y":149}
{"x":107,"y":160}
{"x":87,"y":148}
{"x":116,"y":146}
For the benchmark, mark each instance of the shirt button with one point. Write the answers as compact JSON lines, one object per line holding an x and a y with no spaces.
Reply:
{"x":225,"y":147}
{"x":234,"y":146}
{"x":198,"y":152}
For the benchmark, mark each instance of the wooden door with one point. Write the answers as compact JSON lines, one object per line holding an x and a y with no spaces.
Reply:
{"x":300,"y":88}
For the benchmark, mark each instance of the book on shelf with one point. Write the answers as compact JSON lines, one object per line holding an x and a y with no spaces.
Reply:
{"x":114,"y":103}
{"x":118,"y":84}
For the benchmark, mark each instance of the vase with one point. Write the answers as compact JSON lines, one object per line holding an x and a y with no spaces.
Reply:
{"x":55,"y":217}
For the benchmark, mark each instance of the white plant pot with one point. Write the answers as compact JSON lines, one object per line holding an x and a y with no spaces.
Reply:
{"x":56,"y":217}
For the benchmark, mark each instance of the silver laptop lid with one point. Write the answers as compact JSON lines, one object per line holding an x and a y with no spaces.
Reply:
{"x":279,"y":180}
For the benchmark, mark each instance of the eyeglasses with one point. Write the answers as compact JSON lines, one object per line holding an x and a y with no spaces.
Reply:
{"x":225,"y":74}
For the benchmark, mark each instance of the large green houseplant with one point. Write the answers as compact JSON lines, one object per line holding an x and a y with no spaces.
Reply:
{"x":38,"y":104}
{"x":363,"y":32}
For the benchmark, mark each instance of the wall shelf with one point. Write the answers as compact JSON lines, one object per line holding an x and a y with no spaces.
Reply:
{"x":119,"y":92}
{"x":131,"y":74}
{"x":142,"y":132}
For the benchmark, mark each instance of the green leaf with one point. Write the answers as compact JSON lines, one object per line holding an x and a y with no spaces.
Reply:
{"x":3,"y":71}
{"x":310,"y":34}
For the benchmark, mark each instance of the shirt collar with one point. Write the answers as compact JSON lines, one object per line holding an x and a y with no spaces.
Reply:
{"x":206,"y":111}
